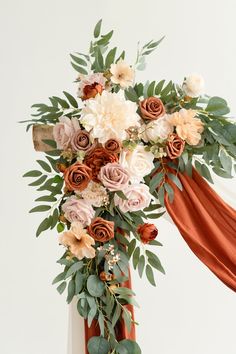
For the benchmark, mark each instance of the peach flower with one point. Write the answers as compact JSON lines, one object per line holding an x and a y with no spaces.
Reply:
{"x":91,"y":85}
{"x":188,"y":126}
{"x":122,"y":74}
{"x":152,"y":108}
{"x":78,"y":241}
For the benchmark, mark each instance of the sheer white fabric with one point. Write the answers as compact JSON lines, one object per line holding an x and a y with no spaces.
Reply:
{"x":224,"y":187}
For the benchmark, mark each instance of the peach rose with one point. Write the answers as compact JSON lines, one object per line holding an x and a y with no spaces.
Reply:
{"x":98,"y":158}
{"x":152,"y":108}
{"x":114,"y":177}
{"x":101,"y":230}
{"x":175,"y":146}
{"x":147,"y":232}
{"x":113,"y":145}
{"x":77,"y":176}
{"x":63,"y":131}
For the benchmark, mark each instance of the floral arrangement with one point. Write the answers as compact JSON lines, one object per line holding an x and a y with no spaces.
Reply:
{"x":111,"y":160}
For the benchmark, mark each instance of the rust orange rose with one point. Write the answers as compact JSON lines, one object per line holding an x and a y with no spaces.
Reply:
{"x":175,"y":146}
{"x":98,"y":158}
{"x":147,"y":232}
{"x":152,"y":108}
{"x":101,"y":230}
{"x":77,"y":176}
{"x":113,"y":145}
{"x":90,"y":91}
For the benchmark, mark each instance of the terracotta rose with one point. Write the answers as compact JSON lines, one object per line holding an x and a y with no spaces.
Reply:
{"x":175,"y":146}
{"x":152,"y":108}
{"x":147,"y":232}
{"x":113,"y":145}
{"x":98,"y":158}
{"x":90,"y":91}
{"x":77,"y":176}
{"x":101,"y":230}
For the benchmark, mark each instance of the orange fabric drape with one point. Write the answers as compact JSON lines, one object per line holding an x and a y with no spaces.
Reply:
{"x":121,"y":330}
{"x":207,"y":224}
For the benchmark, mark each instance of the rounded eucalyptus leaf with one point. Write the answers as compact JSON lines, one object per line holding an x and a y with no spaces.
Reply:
{"x":95,"y":286}
{"x":131,"y":346}
{"x":98,"y":345}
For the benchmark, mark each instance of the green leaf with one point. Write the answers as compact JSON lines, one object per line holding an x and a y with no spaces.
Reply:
{"x":46,"y":198}
{"x":151,"y":87}
{"x":121,"y":195}
{"x":217,"y":106}
{"x":58,"y":278}
{"x":141,"y":265}
{"x":167,"y":89}
{"x":61,"y":102}
{"x":44,"y":165}
{"x":221,"y":172}
{"x":150,"y":275}
{"x":74,"y":268}
{"x":206,"y":173}
{"x":61,"y":287}
{"x":38,"y":181}
{"x":226,"y":161}
{"x":95,"y":286}
{"x":50,"y":142}
{"x":97,"y":29}
{"x":136,"y":256}
{"x":131,"y":94}
{"x":71,"y":99}
{"x":33,"y":173}
{"x":131,"y":247}
{"x":159,"y":87}
{"x":110,"y":58}
{"x":71,"y":291}
{"x":155,"y":243}
{"x":131,"y":346}
{"x":176,"y":180}
{"x":40,"y":208}
{"x":99,"y":59}
{"x":60,"y":227}
{"x":79,"y":282}
{"x":78,"y":60}
{"x":161,"y":195}
{"x":105,"y":39}
{"x":155,"y":181}
{"x":98,"y":345}
{"x":127,"y":318}
{"x":155,"y":215}
{"x":155,"y":261}
{"x":169,"y":191}
{"x":42,"y":227}
{"x":101,"y":321}
{"x":116,"y":315}
{"x":79,"y":69}
{"x":55,"y":216}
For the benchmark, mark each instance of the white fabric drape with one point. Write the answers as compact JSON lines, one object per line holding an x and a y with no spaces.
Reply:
{"x":224,"y":187}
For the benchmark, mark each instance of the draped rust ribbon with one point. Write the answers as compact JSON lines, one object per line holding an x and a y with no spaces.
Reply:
{"x":207,"y":224}
{"x":120,"y":329}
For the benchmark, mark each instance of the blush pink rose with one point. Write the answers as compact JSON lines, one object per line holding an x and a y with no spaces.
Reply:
{"x":64,"y":130}
{"x":78,"y":210}
{"x":114,"y":177}
{"x":138,"y":198}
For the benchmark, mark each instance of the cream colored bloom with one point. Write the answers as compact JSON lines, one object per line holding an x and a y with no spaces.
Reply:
{"x":122,"y":74}
{"x":85,"y":80}
{"x":108,"y":115}
{"x":157,"y":129}
{"x":188,"y":127}
{"x":194,"y":85}
{"x":138,"y":198}
{"x":78,"y":241}
{"x":137,"y":162}
{"x":95,"y":194}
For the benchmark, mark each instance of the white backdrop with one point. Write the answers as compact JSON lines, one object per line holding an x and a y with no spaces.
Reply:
{"x":190,"y":311}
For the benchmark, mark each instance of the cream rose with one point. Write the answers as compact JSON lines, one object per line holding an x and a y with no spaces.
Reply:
{"x":114,"y":177}
{"x":138,"y":162}
{"x":157,"y":129}
{"x":78,"y":210}
{"x":64,"y":130}
{"x":138,"y":198}
{"x":194,"y":85}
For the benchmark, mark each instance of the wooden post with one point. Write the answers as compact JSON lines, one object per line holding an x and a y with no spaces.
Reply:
{"x":42,"y":132}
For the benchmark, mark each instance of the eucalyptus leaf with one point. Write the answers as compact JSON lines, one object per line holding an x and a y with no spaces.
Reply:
{"x":95,"y":286}
{"x":98,"y":345}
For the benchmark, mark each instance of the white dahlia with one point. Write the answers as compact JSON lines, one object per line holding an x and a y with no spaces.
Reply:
{"x":108,"y":116}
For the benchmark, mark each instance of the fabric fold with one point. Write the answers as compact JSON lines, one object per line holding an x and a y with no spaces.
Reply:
{"x":207,"y":224}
